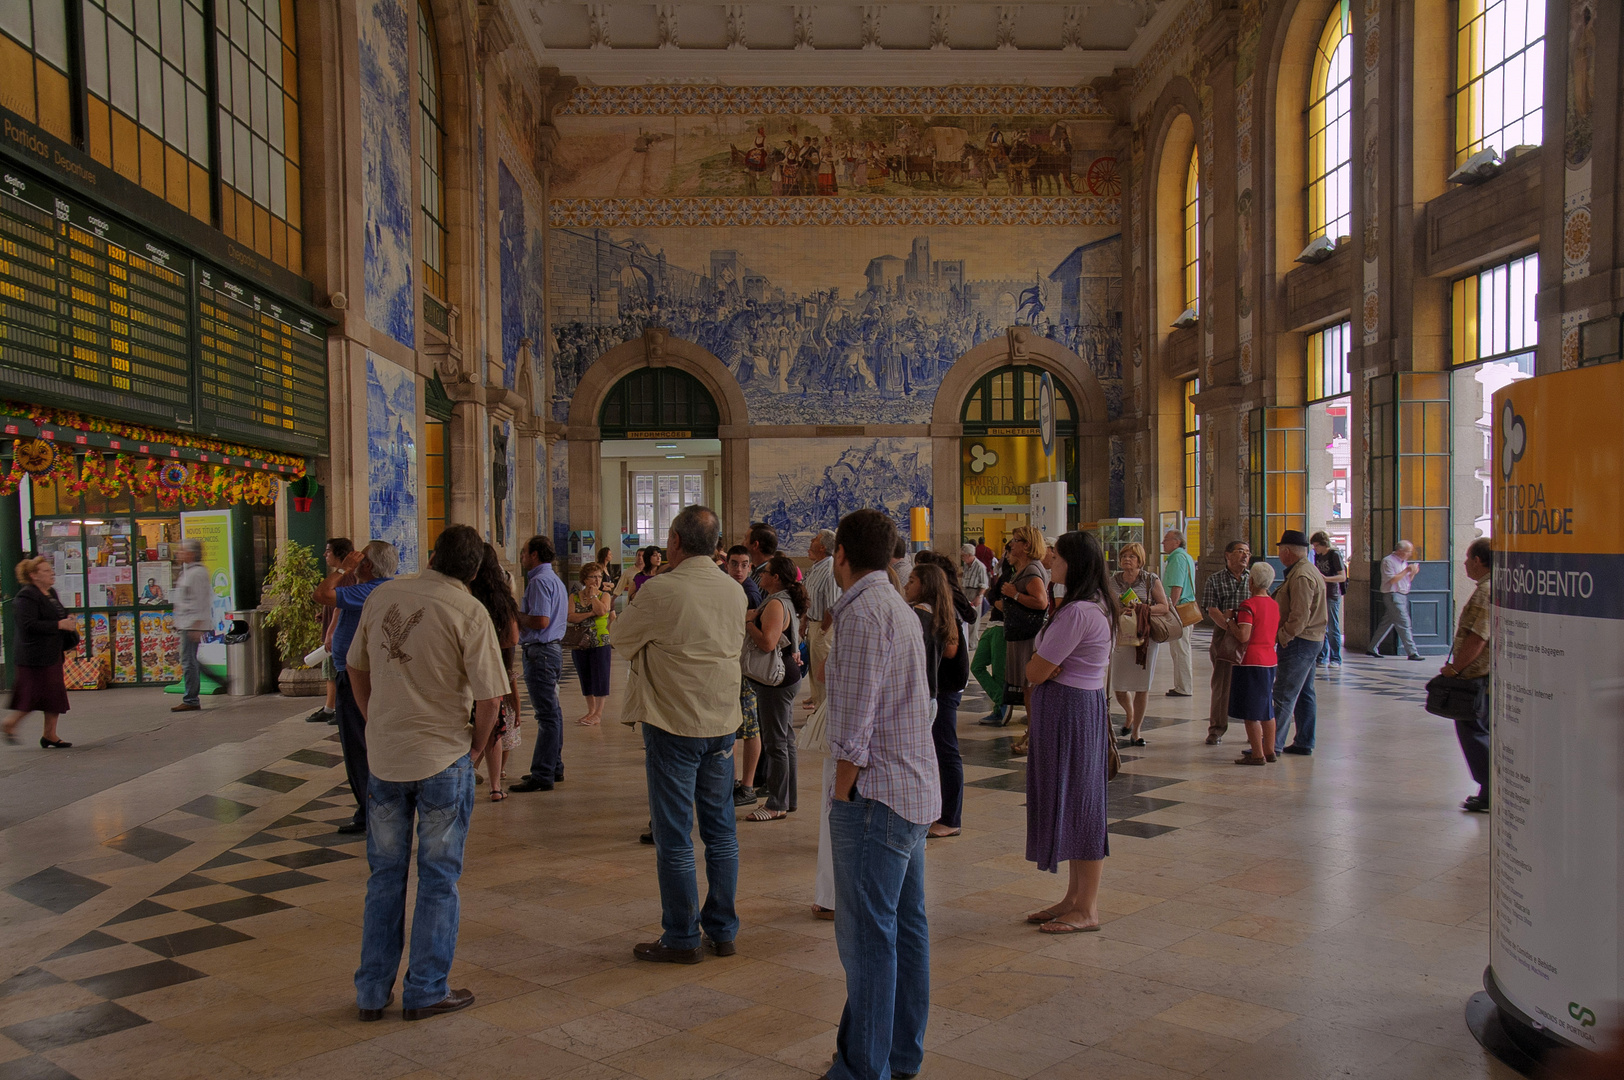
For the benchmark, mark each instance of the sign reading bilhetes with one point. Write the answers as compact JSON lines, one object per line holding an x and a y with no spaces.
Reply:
{"x":1558,"y":712}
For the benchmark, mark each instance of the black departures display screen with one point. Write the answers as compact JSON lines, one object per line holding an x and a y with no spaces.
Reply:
{"x":98,"y":317}
{"x":262,"y":365}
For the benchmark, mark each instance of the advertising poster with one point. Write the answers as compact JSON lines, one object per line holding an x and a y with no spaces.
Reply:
{"x":213,"y":528}
{"x":1558,"y":700}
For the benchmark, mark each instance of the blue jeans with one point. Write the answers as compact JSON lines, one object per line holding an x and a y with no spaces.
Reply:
{"x":352,"y":739}
{"x":684,"y":774}
{"x":1294,"y":693}
{"x":442,"y":805}
{"x":944,"y":730}
{"x":191,"y":673}
{"x":1396,"y":617}
{"x":883,"y":938}
{"x":1331,"y":651}
{"x":542,"y":665}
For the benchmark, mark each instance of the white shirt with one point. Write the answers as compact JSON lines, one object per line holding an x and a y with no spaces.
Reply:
{"x":973,"y":577}
{"x":1393,"y":567}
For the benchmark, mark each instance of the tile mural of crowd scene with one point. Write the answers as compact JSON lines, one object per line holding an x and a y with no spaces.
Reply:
{"x":392,"y":457}
{"x":799,"y":486}
{"x":830,"y":155}
{"x":859,"y":323}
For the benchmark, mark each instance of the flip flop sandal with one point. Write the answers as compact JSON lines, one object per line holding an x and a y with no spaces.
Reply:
{"x":1066,"y":928}
{"x":764,"y":814}
{"x":498,"y":796}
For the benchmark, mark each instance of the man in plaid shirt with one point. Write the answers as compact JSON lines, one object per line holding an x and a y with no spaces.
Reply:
{"x":886,"y":793}
{"x":1224,"y":592}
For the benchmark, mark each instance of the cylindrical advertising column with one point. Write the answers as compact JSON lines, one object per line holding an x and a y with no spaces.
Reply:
{"x":1558,"y":706}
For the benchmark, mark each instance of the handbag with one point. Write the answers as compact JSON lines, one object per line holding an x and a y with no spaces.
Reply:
{"x":1226,"y":647}
{"x":577,"y":635}
{"x":1113,"y":759}
{"x":1021,"y":623}
{"x":1127,"y":629}
{"x":765,"y":667}
{"x":70,"y":640}
{"x":1454,"y":698}
{"x":1164,"y":628}
{"x":1189,"y":613}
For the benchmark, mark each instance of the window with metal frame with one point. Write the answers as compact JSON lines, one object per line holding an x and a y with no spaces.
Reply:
{"x":34,"y":64}
{"x":431,"y":155}
{"x":1330,"y":126}
{"x":1493,"y":312}
{"x":1192,"y":468}
{"x":1192,"y":234}
{"x":658,"y":399}
{"x":436,"y":477}
{"x":1010,"y":396}
{"x":1328,"y":362}
{"x":1499,"y":75}
{"x":1278,"y":451}
{"x":257,"y":69}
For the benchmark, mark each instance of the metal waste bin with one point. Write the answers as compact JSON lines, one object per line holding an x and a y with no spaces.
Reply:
{"x":250,"y":666}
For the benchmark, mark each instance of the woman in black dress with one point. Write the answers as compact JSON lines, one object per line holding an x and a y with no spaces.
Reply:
{"x":43,"y":626}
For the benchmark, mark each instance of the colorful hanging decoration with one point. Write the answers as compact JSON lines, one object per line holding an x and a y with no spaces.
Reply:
{"x":289,"y":465}
{"x":35,"y":456}
{"x":172,"y":482}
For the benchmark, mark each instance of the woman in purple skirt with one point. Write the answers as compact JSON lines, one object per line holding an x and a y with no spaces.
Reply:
{"x":1070,"y":735}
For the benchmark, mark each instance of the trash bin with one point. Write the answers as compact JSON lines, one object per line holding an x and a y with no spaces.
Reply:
{"x":248,"y":670}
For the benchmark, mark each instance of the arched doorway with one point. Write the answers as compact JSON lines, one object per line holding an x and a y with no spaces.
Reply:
{"x":1001,"y":451}
{"x":1023,"y":355}
{"x":656,"y":424}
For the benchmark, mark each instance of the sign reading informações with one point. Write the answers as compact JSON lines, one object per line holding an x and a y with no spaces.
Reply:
{"x":1558,"y":692}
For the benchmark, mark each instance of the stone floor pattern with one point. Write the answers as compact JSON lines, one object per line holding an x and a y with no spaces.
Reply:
{"x":1325,"y":917}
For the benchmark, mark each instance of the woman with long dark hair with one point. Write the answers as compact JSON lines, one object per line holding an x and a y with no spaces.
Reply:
{"x":952,"y":675}
{"x":492,"y":588}
{"x":1071,"y":735}
{"x":777,"y":618}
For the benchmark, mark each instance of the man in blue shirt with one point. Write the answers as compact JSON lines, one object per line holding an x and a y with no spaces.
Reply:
{"x":543,"y":617}
{"x":346,"y":590}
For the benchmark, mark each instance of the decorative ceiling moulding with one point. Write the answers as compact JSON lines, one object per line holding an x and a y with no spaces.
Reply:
{"x":852,"y":67}
{"x":919,"y":210}
{"x":687,"y":99}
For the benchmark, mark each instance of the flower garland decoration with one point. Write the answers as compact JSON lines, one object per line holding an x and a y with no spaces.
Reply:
{"x":172,"y":482}
{"x":41,"y":414}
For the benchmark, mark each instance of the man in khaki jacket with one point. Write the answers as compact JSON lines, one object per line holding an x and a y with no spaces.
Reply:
{"x":1302,"y":632}
{"x":683,"y":633}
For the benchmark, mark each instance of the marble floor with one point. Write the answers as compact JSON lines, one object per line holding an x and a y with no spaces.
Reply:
{"x":175,"y":903}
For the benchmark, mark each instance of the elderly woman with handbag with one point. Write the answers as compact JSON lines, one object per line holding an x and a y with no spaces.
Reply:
{"x":1248,"y":643}
{"x":45,"y":632}
{"x":1133,"y":663}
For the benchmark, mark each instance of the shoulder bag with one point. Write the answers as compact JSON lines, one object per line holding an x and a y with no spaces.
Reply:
{"x":1455,"y":698}
{"x":763,"y":666}
{"x":1189,"y":613}
{"x":1021,"y":623}
{"x":1226,"y":646}
{"x":1164,"y":628}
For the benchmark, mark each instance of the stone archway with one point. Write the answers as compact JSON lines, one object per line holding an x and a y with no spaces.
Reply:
{"x":1019,"y":345}
{"x":657,"y":348}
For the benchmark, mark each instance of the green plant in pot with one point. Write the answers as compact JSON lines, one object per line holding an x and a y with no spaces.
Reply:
{"x":289,"y":594}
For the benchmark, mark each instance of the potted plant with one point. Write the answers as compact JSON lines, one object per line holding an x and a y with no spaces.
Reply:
{"x":290,"y":588}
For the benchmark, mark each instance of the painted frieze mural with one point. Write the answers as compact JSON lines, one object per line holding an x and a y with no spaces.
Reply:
{"x":799,"y":486}
{"x":814,"y":322}
{"x":386,"y":169}
{"x":392,"y":457}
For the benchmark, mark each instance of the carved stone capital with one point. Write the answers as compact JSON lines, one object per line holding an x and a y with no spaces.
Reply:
{"x":496,"y":33}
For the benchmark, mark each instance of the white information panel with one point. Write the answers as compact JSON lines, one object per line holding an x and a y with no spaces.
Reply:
{"x":1558,"y":691}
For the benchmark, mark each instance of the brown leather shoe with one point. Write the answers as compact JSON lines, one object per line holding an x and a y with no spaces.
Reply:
{"x":369,"y":1016}
{"x":454,"y":1001}
{"x":186,"y":706}
{"x":656,"y":952}
{"x":719,"y":948}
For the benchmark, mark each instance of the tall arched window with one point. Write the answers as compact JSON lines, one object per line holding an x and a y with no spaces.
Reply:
{"x":1499,"y":75}
{"x":432,"y":155}
{"x":1330,"y":148}
{"x":1192,"y":234}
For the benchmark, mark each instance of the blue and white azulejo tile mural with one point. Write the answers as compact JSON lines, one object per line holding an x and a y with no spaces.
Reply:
{"x":512,"y":240}
{"x":386,"y":169}
{"x":392,"y":457}
{"x":560,"y":470}
{"x":799,"y":486}
{"x":861,"y":322}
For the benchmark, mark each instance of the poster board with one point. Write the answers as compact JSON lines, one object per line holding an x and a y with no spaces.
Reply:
{"x":213,"y":528}
{"x":1558,"y":702}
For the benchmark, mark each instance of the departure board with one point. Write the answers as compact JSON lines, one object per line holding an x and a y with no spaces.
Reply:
{"x":262,"y":366}
{"x":93,"y":314}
